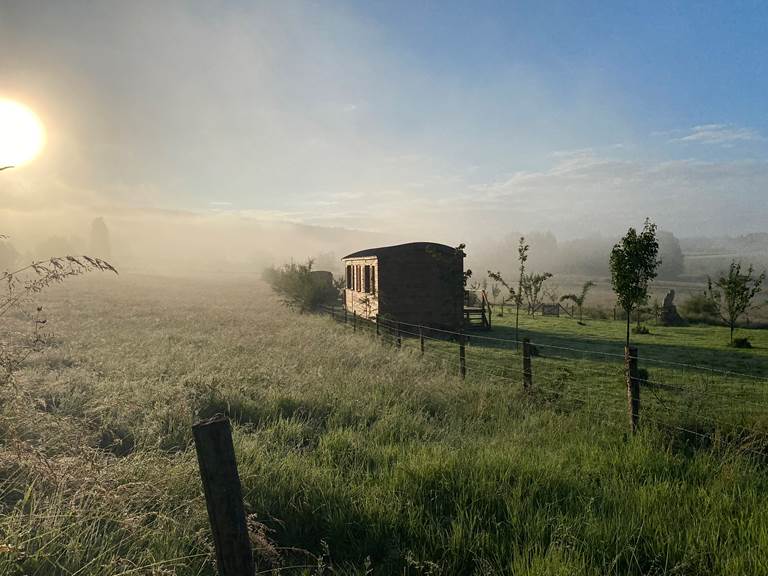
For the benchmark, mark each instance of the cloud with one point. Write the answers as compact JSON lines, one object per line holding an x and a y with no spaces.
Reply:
{"x":722,"y":134}
{"x":587,"y":192}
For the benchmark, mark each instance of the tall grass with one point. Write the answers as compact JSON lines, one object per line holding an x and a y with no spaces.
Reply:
{"x":354,"y":457}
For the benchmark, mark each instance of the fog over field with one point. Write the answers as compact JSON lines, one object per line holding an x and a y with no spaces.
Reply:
{"x":204,"y":134}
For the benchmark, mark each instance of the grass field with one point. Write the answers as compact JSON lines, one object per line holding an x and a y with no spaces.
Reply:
{"x":358,"y":458}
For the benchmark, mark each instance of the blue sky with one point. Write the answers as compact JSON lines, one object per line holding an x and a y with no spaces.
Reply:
{"x":450,"y":119}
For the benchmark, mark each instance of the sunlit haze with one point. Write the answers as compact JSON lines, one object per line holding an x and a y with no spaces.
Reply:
{"x":21,"y":134}
{"x":189,"y":125}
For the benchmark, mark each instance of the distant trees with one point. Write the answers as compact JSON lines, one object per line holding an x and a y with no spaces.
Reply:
{"x":633,"y":263}
{"x":672,"y":261}
{"x":699,"y":308}
{"x":732,"y":295}
{"x":580,"y":298}
{"x":100,"y":243}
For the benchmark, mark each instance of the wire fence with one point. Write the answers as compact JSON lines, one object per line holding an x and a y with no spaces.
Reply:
{"x":696,"y":405}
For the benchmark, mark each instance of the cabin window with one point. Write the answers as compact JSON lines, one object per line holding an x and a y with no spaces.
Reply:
{"x":349,"y":276}
{"x":358,"y":279}
{"x":373,"y":279}
{"x":367,"y":279}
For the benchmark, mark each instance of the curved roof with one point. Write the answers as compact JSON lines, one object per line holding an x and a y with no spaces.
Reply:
{"x":405,"y":247}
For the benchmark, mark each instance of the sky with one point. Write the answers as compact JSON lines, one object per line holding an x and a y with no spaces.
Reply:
{"x":448,"y":121}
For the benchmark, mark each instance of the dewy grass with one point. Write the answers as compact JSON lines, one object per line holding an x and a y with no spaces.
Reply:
{"x":357,"y":458}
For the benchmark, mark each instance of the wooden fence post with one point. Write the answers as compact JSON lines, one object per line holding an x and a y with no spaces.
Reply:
{"x":527,"y":371}
{"x":398,"y":338}
{"x":354,"y":321}
{"x":633,"y":387}
{"x":223,"y":496}
{"x":421,"y":339}
{"x":377,"y":324}
{"x":462,"y":355}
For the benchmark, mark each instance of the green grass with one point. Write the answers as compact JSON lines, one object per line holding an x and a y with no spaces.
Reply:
{"x":355,"y":456}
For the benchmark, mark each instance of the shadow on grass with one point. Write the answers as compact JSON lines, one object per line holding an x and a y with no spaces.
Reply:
{"x":556,"y":344}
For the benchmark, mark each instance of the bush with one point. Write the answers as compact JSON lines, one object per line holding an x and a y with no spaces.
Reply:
{"x":642,"y":329}
{"x":700,"y":308}
{"x":300,"y":287}
{"x":598,"y":313}
{"x":741,"y":343}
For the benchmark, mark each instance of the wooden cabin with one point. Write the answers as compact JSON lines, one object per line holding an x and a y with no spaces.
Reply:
{"x":419,"y":283}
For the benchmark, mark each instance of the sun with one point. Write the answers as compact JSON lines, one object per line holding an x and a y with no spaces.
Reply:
{"x":22,"y":135}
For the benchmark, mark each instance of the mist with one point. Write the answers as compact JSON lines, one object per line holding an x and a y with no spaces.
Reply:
{"x":204,"y":134}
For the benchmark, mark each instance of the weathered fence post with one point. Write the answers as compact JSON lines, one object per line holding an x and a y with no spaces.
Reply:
{"x":223,"y":496}
{"x":462,"y":355}
{"x":527,"y":371}
{"x":377,"y":324}
{"x":633,"y":387}
{"x":421,"y":339}
{"x":398,"y":338}
{"x":354,"y":321}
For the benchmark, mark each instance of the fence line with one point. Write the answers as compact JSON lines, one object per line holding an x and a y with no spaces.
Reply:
{"x":660,"y":393}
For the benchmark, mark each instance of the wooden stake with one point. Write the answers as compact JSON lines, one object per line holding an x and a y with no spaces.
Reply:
{"x":421,"y":339}
{"x":223,"y":496}
{"x":633,"y":387}
{"x":527,"y":371}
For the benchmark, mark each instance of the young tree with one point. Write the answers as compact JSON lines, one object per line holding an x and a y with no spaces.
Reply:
{"x":495,"y":291}
{"x":532,"y":287}
{"x":497,"y":277}
{"x":552,"y":293}
{"x":732,"y":295}
{"x":579,"y":299}
{"x":516,"y":295}
{"x":633,"y":265}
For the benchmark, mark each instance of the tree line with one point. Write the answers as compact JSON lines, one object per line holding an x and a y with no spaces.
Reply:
{"x":634,"y":263}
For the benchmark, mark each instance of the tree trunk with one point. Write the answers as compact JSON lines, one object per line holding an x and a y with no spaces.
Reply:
{"x":629,"y":314}
{"x":517,"y":320}
{"x":731,"y":326}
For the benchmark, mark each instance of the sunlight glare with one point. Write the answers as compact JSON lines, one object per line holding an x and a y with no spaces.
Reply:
{"x":21,"y":134}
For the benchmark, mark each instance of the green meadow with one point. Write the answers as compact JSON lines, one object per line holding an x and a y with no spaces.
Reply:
{"x":358,"y":457}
